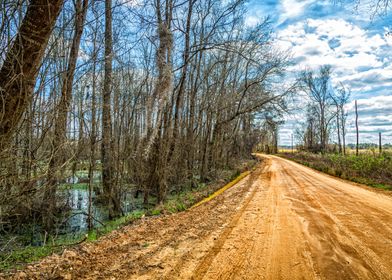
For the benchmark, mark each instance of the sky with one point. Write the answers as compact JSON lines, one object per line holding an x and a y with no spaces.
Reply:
{"x":348,"y":38}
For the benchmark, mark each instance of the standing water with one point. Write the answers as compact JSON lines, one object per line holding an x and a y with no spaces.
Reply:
{"x":76,"y":196}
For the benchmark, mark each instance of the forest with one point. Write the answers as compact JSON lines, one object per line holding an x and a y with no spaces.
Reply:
{"x":127,"y":99}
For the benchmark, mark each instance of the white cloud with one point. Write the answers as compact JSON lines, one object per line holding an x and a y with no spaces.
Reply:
{"x":360,"y":59}
{"x":376,"y":76}
{"x":376,"y":103}
{"x":252,"y":21}
{"x":131,"y":3}
{"x":293,"y":8}
{"x":374,"y":116}
{"x":345,"y":46}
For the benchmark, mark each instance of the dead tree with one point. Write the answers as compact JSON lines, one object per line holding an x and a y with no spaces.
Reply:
{"x":379,"y":143}
{"x":343,"y":98}
{"x":340,"y":98}
{"x":356,"y":127}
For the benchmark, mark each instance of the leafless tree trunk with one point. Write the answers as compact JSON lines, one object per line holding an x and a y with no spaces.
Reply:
{"x":20,"y":68}
{"x":356,"y":127}
{"x":379,"y":143}
{"x":338,"y":128}
{"x":183,"y":78}
{"x":108,"y":183}
{"x":59,"y":140}
{"x":93,"y":133}
{"x":174,"y":98}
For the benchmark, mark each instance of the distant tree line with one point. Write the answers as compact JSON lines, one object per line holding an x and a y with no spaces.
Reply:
{"x":369,"y":146}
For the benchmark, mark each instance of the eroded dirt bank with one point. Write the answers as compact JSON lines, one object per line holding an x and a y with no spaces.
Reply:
{"x":284,"y":221}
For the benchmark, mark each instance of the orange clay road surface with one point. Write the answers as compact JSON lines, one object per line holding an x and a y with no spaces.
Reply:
{"x":283,"y":221}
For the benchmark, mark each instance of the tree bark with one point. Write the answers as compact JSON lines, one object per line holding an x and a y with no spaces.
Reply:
{"x":108,"y":183}
{"x":58,"y":153}
{"x":338,"y":127}
{"x":183,"y":78}
{"x":380,"y":143}
{"x":22,"y":62}
{"x":356,"y":126}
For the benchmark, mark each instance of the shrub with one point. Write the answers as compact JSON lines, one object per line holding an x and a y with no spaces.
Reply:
{"x":368,"y":168}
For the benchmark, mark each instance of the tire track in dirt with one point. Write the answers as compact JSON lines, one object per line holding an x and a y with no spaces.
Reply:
{"x":324,"y":240}
{"x":203,"y":266}
{"x":345,"y":255}
{"x":261,"y":244}
{"x":284,"y":221}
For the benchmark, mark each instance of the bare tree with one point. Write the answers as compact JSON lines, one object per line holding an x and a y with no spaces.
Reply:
{"x":356,"y":127}
{"x":340,"y":98}
{"x":168,"y":102}
{"x":108,"y":182}
{"x":373,"y":7}
{"x":318,"y":89}
{"x":20,"y":67}
{"x":58,"y":154}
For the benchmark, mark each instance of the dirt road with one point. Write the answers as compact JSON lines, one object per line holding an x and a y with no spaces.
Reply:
{"x":284,"y":221}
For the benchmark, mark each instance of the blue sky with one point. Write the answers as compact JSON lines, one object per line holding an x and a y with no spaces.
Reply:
{"x":349,"y":39}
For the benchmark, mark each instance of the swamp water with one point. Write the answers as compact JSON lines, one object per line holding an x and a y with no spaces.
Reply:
{"x":76,"y":199}
{"x":73,"y":197}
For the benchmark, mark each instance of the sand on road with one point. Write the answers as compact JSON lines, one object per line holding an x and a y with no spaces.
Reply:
{"x":283,"y":221}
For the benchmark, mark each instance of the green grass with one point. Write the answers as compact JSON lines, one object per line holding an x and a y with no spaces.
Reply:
{"x":367,"y":168}
{"x":21,"y":256}
{"x":155,"y":212}
{"x":117,"y":223}
{"x":26,"y":255}
{"x":76,"y":186}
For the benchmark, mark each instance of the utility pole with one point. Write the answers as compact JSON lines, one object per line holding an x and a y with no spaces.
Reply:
{"x":356,"y":125}
{"x":292,"y":144}
{"x":379,"y":143}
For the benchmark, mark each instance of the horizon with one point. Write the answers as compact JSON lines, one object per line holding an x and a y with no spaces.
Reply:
{"x":356,"y":46}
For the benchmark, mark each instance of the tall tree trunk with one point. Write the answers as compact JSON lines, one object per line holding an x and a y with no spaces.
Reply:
{"x":93,"y":140}
{"x":22,"y":62}
{"x":183,"y":78}
{"x":59,"y":138}
{"x":379,"y":143}
{"x":108,"y":183}
{"x":344,"y":140}
{"x":322,"y":130}
{"x":93,"y":135}
{"x":342,"y":120}
{"x":80,"y":145}
{"x":338,"y":127}
{"x":163,"y":88}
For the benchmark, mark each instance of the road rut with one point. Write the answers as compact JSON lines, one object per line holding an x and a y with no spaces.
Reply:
{"x":283,"y":221}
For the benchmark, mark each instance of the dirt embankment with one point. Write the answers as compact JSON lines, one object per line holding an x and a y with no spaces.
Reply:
{"x":283,"y":221}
